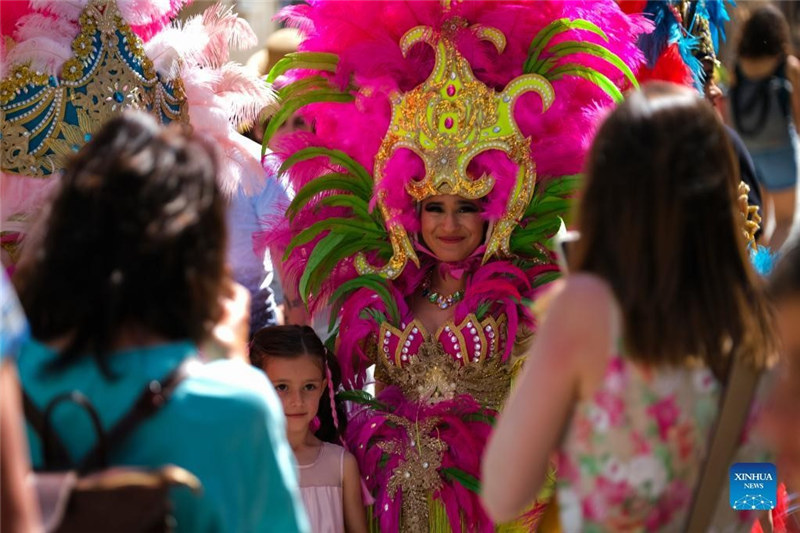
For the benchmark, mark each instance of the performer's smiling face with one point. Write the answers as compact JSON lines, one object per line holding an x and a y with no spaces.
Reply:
{"x":451,"y":226}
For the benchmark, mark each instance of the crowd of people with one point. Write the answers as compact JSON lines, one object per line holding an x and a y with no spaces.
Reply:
{"x":436,"y":353}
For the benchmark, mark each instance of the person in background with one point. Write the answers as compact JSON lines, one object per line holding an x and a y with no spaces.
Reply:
{"x":126,"y":282}
{"x":306,"y":378}
{"x":713,"y":94}
{"x":280,"y":42}
{"x":624,"y":376}
{"x":783,"y":412}
{"x":251,"y":266}
{"x":255,"y":266}
{"x":766,"y":113}
{"x":20,"y":513}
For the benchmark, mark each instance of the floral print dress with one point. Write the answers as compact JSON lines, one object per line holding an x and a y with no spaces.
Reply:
{"x":632,"y":454}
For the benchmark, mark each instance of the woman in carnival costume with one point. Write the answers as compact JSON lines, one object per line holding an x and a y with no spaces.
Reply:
{"x":448,"y":138}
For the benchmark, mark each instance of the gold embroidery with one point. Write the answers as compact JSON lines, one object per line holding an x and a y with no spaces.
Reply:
{"x":447,"y":121}
{"x":751,"y":220}
{"x":417,"y":474}
{"x":432,"y":375}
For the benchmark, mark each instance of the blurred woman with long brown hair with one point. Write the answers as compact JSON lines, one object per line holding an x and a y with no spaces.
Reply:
{"x":624,"y":377}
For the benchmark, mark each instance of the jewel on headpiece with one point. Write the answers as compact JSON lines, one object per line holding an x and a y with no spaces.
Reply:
{"x":447,"y":121}
{"x":45,"y":118}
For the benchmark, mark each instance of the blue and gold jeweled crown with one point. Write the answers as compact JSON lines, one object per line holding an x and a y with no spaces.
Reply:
{"x":45,"y":118}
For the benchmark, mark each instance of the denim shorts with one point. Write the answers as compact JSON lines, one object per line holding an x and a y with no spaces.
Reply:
{"x":776,"y":168}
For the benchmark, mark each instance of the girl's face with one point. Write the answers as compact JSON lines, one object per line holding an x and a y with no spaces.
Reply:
{"x":451,"y":226}
{"x":300,"y":386}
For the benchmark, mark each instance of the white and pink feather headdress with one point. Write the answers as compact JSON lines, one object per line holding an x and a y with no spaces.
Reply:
{"x":70,"y":65}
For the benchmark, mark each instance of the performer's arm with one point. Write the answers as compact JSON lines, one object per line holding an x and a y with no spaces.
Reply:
{"x":294,"y":309}
{"x":793,"y":73}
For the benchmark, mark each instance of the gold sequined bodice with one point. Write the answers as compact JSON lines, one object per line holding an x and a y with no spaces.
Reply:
{"x":464,"y":358}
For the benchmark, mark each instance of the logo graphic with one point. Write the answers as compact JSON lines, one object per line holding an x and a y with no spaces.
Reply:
{"x":753,"y":486}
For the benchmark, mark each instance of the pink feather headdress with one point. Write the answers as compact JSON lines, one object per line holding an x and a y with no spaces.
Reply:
{"x":355,"y":214}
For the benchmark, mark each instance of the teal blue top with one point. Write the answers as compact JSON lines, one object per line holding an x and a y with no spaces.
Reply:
{"x":224,"y":423}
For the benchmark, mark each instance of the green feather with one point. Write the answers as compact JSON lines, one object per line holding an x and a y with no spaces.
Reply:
{"x":468,"y":481}
{"x":376,"y":315}
{"x":547,"y":206}
{"x":523,"y":240}
{"x":328,"y":182}
{"x":484,"y":417}
{"x":337,"y":157}
{"x":304,"y":84}
{"x":482,"y":309}
{"x":290,"y":106}
{"x":546,"y":34}
{"x":545,"y":278}
{"x":539,"y":227}
{"x":599,"y":79}
{"x":569,"y":48}
{"x":565,"y":185}
{"x":318,"y":255}
{"x":328,"y":259}
{"x":372,"y":282}
{"x":338,"y":225}
{"x":303,"y":60}
{"x":359,"y":206}
{"x":362,"y":397}
{"x":534,"y":253}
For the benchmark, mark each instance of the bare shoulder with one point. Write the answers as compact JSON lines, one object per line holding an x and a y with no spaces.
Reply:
{"x":582,"y":319}
{"x":792,"y":67}
{"x":351,"y":475}
{"x":584,"y":294}
{"x":350,"y":463}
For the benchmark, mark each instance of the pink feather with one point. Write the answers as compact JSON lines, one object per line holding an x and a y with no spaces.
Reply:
{"x":67,"y":9}
{"x":221,"y":95}
{"x":246,"y":95}
{"x":365,"y":35}
{"x":148,"y":17}
{"x":10,"y":12}
{"x":465,"y":435}
{"x":21,"y":200}
{"x":225,"y":31}
{"x":43,"y":41}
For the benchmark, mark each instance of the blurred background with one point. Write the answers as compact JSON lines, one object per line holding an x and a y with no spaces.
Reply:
{"x":790,"y":8}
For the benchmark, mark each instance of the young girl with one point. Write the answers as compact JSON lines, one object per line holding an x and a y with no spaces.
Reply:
{"x":305,"y":378}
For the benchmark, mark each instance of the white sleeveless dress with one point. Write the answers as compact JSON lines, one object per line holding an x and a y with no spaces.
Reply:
{"x":321,"y":488}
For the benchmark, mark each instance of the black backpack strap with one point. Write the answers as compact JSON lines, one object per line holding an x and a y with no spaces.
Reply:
{"x":155,"y":395}
{"x":784,"y":91}
{"x":54,"y":453}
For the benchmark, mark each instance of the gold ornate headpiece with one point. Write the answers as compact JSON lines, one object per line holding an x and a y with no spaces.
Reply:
{"x":45,"y":117}
{"x":447,"y":121}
